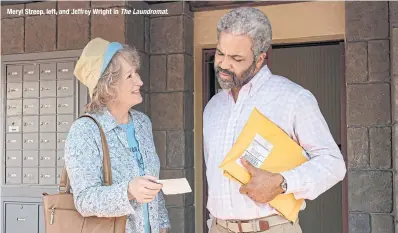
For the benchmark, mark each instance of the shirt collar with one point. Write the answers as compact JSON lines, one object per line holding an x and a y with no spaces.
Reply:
{"x":108,"y":122}
{"x":262,"y":76}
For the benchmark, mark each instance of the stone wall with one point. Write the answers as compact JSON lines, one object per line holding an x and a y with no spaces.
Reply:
{"x":171,"y":103}
{"x":371,"y":50}
{"x":47,"y":33}
{"x":165,"y":44}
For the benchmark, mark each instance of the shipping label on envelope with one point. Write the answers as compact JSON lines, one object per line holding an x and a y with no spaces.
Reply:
{"x":256,"y":153}
{"x":175,"y":186}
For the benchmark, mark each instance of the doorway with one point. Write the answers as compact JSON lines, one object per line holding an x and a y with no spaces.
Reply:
{"x":320,"y":69}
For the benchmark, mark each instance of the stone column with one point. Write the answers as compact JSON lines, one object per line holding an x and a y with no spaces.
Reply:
{"x":171,"y":104}
{"x":394,"y":98}
{"x":369,"y":121}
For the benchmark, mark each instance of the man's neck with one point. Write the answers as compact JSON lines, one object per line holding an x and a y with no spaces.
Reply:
{"x":120,"y":113}
{"x":235,"y":93}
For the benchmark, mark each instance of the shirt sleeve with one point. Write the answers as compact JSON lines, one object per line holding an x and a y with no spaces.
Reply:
{"x":204,"y":132}
{"x":205,"y":152}
{"x":326,"y":166}
{"x":163,"y":213}
{"x":84,"y":166}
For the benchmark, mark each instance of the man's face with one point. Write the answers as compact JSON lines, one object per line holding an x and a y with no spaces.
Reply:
{"x":234,"y":62}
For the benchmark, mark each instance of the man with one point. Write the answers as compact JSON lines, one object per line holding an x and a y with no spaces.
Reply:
{"x":244,"y":36}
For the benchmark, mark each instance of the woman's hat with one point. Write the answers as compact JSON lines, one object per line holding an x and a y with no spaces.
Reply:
{"x":93,"y":61}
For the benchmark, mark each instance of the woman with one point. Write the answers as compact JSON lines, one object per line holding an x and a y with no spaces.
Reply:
{"x":109,"y":70}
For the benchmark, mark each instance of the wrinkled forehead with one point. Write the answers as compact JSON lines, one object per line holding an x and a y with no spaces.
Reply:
{"x":231,"y":45}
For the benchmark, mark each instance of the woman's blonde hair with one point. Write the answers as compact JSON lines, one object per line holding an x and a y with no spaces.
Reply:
{"x":105,"y":91}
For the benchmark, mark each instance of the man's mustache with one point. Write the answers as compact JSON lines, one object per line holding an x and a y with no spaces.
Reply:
{"x":219,"y":69}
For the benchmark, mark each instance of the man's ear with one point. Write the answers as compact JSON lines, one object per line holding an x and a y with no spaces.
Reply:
{"x":261,"y":60}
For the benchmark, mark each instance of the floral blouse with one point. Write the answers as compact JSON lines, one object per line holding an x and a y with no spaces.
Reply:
{"x":83,"y":161}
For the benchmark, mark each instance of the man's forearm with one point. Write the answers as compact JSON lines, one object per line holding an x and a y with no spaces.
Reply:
{"x":314,"y":177}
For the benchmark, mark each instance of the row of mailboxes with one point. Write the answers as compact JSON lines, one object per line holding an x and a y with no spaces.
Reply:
{"x":44,"y":123}
{"x":35,"y":72}
{"x":30,"y":176}
{"x":60,"y":88}
{"x":40,"y":106}
{"x":31,"y":158}
{"x":35,"y":141}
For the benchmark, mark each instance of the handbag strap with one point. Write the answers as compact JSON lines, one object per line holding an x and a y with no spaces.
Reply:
{"x":107,"y":171}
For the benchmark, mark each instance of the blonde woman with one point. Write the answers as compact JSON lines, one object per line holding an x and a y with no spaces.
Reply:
{"x":110,"y":72}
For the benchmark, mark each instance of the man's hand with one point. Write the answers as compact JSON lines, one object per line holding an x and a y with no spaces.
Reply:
{"x":263,"y":186}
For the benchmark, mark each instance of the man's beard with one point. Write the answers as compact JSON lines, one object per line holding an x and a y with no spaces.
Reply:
{"x":236,"y":82}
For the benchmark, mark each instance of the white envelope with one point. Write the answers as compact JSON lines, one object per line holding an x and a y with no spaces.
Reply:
{"x":175,"y":186}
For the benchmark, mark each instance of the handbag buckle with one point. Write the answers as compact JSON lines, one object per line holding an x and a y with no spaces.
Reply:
{"x":264,"y":225}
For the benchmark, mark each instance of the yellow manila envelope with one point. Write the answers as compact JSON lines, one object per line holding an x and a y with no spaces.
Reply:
{"x":267,"y":147}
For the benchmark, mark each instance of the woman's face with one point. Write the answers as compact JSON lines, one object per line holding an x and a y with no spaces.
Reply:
{"x":128,"y":87}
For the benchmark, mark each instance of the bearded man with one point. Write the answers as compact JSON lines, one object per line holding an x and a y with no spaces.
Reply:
{"x":244,"y":37}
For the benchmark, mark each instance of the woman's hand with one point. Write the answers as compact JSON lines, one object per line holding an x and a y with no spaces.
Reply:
{"x":144,"y":189}
{"x":163,"y":230}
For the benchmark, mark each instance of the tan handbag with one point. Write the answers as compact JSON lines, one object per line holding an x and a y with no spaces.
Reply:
{"x":60,"y":212}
